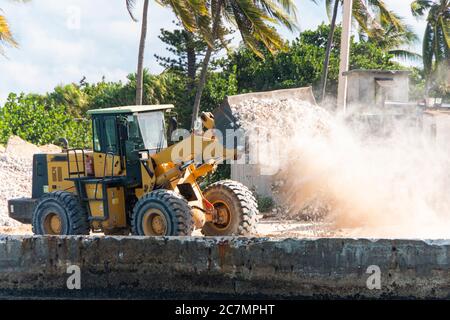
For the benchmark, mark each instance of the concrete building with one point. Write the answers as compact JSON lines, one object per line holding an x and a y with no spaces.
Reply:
{"x":371,"y":88}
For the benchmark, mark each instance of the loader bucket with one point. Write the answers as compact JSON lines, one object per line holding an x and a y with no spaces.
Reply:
{"x":226,"y":121}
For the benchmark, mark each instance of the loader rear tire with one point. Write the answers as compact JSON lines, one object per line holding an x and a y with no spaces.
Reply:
{"x":60,"y":213}
{"x":237,"y":204}
{"x":162,"y":213}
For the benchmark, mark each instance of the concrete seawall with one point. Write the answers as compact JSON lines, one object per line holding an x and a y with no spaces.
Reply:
{"x":179,"y":267}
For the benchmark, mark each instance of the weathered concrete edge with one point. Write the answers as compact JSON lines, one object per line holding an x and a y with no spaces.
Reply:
{"x":228,"y":267}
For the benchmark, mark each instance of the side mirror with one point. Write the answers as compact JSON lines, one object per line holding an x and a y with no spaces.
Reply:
{"x":63,"y":143}
{"x":173,"y":125}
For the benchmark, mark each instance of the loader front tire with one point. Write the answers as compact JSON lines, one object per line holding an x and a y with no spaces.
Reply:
{"x":236,"y":206}
{"x":162,"y":213}
{"x":60,"y":213}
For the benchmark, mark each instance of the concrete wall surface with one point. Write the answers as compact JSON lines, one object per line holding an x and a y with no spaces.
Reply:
{"x":202,"y":268}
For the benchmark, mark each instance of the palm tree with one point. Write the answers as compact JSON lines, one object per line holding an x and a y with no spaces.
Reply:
{"x":397,"y":42}
{"x":6,"y":37}
{"x":371,"y":16}
{"x":436,"y":40}
{"x":192,"y":14}
{"x":254,"y":19}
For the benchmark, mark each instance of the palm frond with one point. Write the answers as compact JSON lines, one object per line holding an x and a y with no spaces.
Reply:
{"x":6,"y":36}
{"x":445,"y":25}
{"x":285,"y":14}
{"x":418,"y":7}
{"x":428,"y":48}
{"x":405,"y":55}
{"x":252,"y":23}
{"x":364,"y":18}
{"x":193,"y":14}
{"x":441,"y":52}
{"x":130,"y":4}
{"x":329,"y":4}
{"x":386,"y":16}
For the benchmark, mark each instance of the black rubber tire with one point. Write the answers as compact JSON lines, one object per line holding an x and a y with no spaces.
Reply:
{"x":175,"y":208}
{"x":242,"y":204}
{"x":73,"y":217}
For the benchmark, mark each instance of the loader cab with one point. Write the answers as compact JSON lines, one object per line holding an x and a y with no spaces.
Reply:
{"x":121,"y":134}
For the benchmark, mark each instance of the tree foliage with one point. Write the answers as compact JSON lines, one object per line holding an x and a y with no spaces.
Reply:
{"x":302,"y":63}
{"x":185,"y":48}
{"x":29,"y":117}
{"x":436,"y":41}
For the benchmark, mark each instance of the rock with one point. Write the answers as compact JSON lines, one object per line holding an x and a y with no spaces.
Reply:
{"x":18,"y":147}
{"x":15,"y":175}
{"x":50,"y":148}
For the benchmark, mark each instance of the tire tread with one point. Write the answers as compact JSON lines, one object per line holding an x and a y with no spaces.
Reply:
{"x":247,"y":202}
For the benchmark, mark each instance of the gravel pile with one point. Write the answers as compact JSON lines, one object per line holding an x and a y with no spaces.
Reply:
{"x":15,"y":177}
{"x":16,"y":173}
{"x":274,"y":126}
{"x":281,"y":118}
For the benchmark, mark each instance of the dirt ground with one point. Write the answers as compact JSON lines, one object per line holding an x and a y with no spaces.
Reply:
{"x":266,"y":228}
{"x":23,"y":229}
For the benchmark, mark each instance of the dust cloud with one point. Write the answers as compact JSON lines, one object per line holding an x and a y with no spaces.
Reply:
{"x":391,"y":185}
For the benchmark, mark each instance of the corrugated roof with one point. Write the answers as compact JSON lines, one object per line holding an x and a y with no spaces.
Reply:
{"x":132,"y":109}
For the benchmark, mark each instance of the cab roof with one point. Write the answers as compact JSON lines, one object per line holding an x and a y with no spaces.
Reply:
{"x":131,"y":109}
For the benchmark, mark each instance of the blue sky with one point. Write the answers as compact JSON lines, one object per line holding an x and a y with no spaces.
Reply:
{"x":62,"y":41}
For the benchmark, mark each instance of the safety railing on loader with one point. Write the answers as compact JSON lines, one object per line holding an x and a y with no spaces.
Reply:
{"x":78,"y":172}
{"x":104,"y":174}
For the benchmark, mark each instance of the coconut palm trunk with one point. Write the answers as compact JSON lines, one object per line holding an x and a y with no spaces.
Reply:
{"x":205,"y":63}
{"x":201,"y":86}
{"x":328,"y":50}
{"x":140,"y":66}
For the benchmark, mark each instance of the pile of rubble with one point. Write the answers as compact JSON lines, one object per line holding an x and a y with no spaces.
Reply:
{"x":273,"y":125}
{"x":16,"y":173}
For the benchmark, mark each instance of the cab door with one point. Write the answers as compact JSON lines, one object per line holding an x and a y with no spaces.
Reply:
{"x":107,"y":155}
{"x":108,"y":203}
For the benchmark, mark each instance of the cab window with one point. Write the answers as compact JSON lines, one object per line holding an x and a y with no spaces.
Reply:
{"x":111,"y":136}
{"x":96,"y":124}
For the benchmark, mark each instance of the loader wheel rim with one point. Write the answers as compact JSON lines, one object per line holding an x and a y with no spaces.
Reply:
{"x":52,"y":224}
{"x":224,"y":214}
{"x":154,"y":223}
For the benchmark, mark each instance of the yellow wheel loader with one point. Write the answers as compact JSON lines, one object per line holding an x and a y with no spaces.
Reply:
{"x":132,"y":181}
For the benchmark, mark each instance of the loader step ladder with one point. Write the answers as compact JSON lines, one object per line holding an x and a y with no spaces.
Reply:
{"x":103,"y":179}
{"x":81,"y":181}
{"x":79,"y":173}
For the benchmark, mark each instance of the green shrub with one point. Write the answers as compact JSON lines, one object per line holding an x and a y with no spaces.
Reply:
{"x":33,"y":120}
{"x":264,"y":203}
{"x":223,"y":172}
